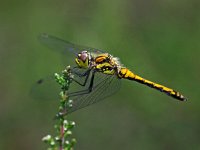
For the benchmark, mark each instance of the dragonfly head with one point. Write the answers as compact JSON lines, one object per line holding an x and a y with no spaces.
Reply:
{"x":82,"y":59}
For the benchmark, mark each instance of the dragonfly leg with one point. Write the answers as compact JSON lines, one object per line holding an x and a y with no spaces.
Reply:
{"x":86,"y":91}
{"x":86,"y":74}
{"x":80,"y":74}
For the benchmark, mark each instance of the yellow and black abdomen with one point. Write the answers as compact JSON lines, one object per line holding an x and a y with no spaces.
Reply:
{"x":127,"y":74}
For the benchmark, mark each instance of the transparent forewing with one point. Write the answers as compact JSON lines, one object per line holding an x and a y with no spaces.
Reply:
{"x":45,"y":89}
{"x":63,"y":46}
{"x":104,"y":86}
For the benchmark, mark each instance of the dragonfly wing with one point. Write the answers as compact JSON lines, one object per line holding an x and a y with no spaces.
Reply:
{"x":104,"y":86}
{"x":48,"y":89}
{"x":45,"y":89}
{"x":63,"y":46}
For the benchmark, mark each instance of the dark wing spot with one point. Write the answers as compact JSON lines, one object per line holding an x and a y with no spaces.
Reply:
{"x":40,"y":81}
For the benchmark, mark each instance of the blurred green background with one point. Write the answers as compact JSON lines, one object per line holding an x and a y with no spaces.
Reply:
{"x":158,"y":40}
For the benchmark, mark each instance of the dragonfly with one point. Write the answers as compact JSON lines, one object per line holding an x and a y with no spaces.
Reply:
{"x":98,"y":73}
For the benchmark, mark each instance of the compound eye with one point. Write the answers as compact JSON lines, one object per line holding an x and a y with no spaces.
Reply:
{"x":83,"y":56}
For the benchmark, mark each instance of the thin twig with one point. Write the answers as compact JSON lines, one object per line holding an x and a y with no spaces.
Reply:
{"x":63,"y":141}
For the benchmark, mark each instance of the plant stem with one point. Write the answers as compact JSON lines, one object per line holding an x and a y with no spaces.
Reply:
{"x":62,"y":136}
{"x":63,"y":141}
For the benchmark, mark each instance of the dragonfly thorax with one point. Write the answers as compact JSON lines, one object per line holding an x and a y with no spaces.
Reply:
{"x":105,"y":63}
